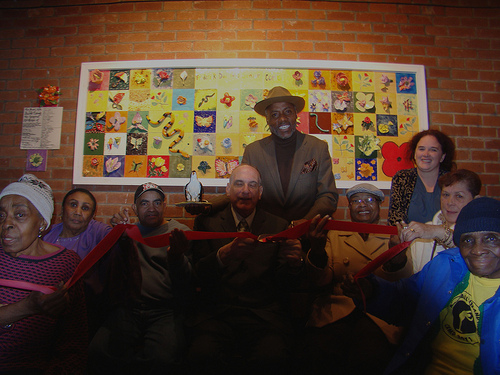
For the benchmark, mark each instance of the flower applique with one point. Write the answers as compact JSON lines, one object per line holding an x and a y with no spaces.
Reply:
{"x":93,"y":144}
{"x":297,"y":76}
{"x":204,"y":166}
{"x":227,"y":100}
{"x":406,"y":83}
{"x":112,"y":164}
{"x":342,"y":100}
{"x":364,"y":101}
{"x":395,"y":158}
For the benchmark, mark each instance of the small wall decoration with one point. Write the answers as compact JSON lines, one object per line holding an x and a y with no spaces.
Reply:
{"x":36,"y":161}
{"x":160,"y":120}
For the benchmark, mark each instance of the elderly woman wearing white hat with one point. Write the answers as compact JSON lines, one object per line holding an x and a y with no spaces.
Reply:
{"x":38,"y":332}
{"x":340,"y":338}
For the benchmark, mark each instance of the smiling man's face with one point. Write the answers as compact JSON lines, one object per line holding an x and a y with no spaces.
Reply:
{"x":364,"y":208}
{"x":282,"y":119}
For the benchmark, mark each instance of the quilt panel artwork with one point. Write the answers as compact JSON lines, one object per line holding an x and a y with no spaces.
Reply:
{"x":159,"y":120}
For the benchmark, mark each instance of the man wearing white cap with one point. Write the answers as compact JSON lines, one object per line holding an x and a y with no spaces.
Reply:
{"x":338,"y":332}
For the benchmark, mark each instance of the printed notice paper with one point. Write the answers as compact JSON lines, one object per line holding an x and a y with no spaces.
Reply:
{"x":41,"y":128}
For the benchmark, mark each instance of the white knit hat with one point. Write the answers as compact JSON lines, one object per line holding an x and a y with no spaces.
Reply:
{"x":34,"y":190}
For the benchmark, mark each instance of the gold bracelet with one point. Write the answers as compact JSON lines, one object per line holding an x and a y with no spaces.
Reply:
{"x":447,"y":241}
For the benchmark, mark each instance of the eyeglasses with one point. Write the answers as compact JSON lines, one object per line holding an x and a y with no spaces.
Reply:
{"x":367,"y":200}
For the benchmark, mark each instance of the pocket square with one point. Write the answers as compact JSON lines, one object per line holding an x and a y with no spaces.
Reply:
{"x":309,"y":166}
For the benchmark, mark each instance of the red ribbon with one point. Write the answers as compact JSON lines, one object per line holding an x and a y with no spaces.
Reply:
{"x":164,"y":240}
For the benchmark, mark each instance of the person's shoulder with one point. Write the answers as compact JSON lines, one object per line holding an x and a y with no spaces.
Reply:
{"x":256,"y":145}
{"x":54,"y":232}
{"x":262,"y":213}
{"x":99,"y":225}
{"x":174,"y":224}
{"x":404,"y":173}
{"x":201,"y":222}
{"x":65,"y":255}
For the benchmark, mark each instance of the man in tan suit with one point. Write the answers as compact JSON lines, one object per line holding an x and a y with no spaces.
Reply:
{"x":296,"y":168}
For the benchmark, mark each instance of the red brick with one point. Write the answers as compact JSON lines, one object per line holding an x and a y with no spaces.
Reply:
{"x":221,"y":14}
{"x":358,"y":27}
{"x":212,"y":4}
{"x":422,"y":40}
{"x":91,"y":49}
{"x":311,"y":35}
{"x":191,"y":15}
{"x":273,"y":34}
{"x":410,"y":50}
{"x":481,"y":86}
{"x":148,"y":26}
{"x":387,"y":49}
{"x":252,"y":55}
{"x":341,"y":16}
{"x":237,"y":25}
{"x":298,"y":25}
{"x":370,"y":38}
{"x":480,"y":131}
{"x":358,"y":48}
{"x":251,"y":14}
{"x":207,"y":45}
{"x":328,"y":47}
{"x":296,"y":4}
{"x":272,"y":46}
{"x":396,"y":39}
{"x":341,"y":37}
{"x":385,"y":28}
{"x":403,"y":60}
{"x":401,"y":19}
{"x":484,"y":155}
{"x":283,"y":14}
{"x":237,"y":45}
{"x":328,"y":26}
{"x":373,"y":58}
{"x":105,"y":39}
{"x":63,"y":51}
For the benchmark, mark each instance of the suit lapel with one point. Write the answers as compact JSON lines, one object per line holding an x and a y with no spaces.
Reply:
{"x":227,"y":220}
{"x":369,"y":249}
{"x":259,"y":223}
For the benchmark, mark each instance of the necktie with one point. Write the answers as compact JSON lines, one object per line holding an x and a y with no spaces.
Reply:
{"x":243,"y":226}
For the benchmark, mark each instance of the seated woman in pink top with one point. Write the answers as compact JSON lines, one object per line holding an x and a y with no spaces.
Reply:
{"x":39,"y":333}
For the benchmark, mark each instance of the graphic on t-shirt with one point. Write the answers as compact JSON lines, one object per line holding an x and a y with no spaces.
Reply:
{"x":460,"y":322}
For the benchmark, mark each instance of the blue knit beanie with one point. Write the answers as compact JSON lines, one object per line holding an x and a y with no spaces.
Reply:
{"x":479,"y":215}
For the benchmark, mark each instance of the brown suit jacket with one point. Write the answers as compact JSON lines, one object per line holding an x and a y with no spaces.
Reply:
{"x":312,"y":187}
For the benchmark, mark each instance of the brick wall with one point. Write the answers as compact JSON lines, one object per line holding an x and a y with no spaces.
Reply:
{"x":44,"y":42}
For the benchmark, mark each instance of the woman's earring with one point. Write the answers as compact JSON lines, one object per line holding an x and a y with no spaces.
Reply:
{"x":40,"y":230}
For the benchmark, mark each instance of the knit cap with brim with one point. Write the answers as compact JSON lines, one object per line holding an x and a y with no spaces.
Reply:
{"x":365,"y":188}
{"x":36,"y":191}
{"x":479,"y":215}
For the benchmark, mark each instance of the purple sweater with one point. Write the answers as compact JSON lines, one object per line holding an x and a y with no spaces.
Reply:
{"x":84,"y":242}
{"x":55,"y":346}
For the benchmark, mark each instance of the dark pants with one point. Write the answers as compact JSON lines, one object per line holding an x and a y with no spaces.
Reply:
{"x":133,"y":341}
{"x":238,"y":342}
{"x":350,"y":346}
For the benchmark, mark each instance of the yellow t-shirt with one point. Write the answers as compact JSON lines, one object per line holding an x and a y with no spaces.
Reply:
{"x":456,"y":345}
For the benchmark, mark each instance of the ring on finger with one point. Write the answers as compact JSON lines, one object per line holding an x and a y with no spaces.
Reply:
{"x":412,"y":230}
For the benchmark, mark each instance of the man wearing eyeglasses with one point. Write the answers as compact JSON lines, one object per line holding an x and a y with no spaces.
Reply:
{"x":337,"y":331}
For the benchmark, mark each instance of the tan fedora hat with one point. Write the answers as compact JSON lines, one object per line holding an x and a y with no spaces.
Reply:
{"x":279,"y":94}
